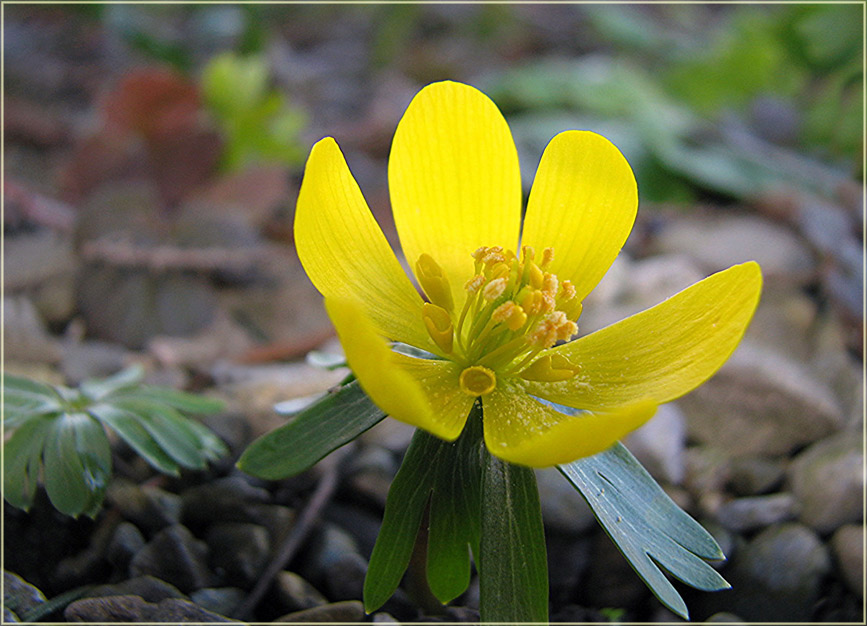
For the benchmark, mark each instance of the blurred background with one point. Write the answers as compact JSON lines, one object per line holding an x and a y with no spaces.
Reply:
{"x":152,"y":159}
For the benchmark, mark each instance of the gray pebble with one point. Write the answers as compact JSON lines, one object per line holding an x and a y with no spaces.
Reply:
{"x":146,"y":587}
{"x":755,"y":475}
{"x":293,"y":593}
{"x":148,"y":507}
{"x":221,"y":500}
{"x":238,"y":551}
{"x":135,"y":609}
{"x":828,"y":480}
{"x":848,"y":546}
{"x":126,"y":541}
{"x":176,"y":556}
{"x":350,"y":611}
{"x":746,"y":514}
{"x":563,"y":509}
{"x":19,"y":595}
{"x":344,"y":578}
{"x":221,"y":600}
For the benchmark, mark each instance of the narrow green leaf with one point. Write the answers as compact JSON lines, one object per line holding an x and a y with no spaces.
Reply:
{"x":24,"y":396}
{"x":455,"y":511}
{"x":97,"y":389}
{"x":22,"y":458}
{"x":646,"y":525}
{"x":75,"y":473}
{"x":168,"y":429}
{"x":179,"y":400}
{"x":128,"y":426}
{"x":331,"y":422}
{"x":513,"y":567}
{"x":210,"y":446}
{"x":404,"y":509}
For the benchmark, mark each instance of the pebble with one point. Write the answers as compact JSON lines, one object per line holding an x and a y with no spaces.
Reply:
{"x":291,"y":592}
{"x":126,"y":541}
{"x":225,"y":499}
{"x":776,"y":577}
{"x":392,"y":435}
{"x":344,"y":579}
{"x":563,"y":508}
{"x":755,"y":475}
{"x":135,"y":609}
{"x":828,"y":480}
{"x":176,"y":556}
{"x":220,"y":600}
{"x":238,"y":552}
{"x":848,"y":548}
{"x":660,"y":444}
{"x":372,"y":471}
{"x":18,"y":595}
{"x":349,"y":611}
{"x":148,"y":507}
{"x":753,"y":513}
{"x":724,"y":617}
{"x":760,"y":403}
{"x":92,"y":359}
{"x":147,"y":587}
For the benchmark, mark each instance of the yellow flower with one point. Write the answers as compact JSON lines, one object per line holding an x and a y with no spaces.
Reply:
{"x":494,"y":312}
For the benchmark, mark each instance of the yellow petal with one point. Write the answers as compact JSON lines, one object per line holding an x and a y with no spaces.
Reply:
{"x":522,"y":430}
{"x":663,"y":352}
{"x":454,"y":179}
{"x":583,"y":204}
{"x":345,"y":253}
{"x":420,"y":392}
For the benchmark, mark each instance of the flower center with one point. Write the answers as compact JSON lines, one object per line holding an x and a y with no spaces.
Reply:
{"x":514,"y":309}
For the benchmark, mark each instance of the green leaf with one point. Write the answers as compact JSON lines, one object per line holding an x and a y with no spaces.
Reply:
{"x":182,"y":401}
{"x":130,"y":429}
{"x":455,"y":512}
{"x":169,"y":430}
{"x":77,"y":462}
{"x":646,"y":525}
{"x":314,"y":433}
{"x":404,"y":509}
{"x":22,"y":458}
{"x":23,"y":398}
{"x":513,"y":569}
{"x":99,"y":389}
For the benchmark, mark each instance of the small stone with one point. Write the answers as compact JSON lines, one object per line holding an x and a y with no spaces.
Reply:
{"x":239,"y":551}
{"x":126,"y":541}
{"x":659,"y":444}
{"x":350,"y":611}
{"x":760,"y":403}
{"x":828,"y":480}
{"x":384,"y":618}
{"x":293,"y":593}
{"x":776,"y":577}
{"x":92,"y":359}
{"x":392,"y":435}
{"x":146,"y":587}
{"x":848,"y":546}
{"x":224,"y":499}
{"x":9,"y":616}
{"x":175,"y":556}
{"x":747,"y":514}
{"x":724,"y":617}
{"x":755,"y":475}
{"x":221,"y":600}
{"x":135,"y":609}
{"x":563,"y":508}
{"x":19,"y":595}
{"x":148,"y":507}
{"x":372,"y":472}
{"x":344,"y":579}
{"x":707,"y":469}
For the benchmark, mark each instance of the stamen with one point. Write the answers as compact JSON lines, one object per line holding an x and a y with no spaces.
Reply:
{"x":547,"y":257}
{"x":435,"y":284}
{"x":494,"y":289}
{"x":439,"y":326}
{"x":550,"y":368}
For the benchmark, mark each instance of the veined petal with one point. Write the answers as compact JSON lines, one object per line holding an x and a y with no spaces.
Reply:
{"x":454,"y":179}
{"x":345,"y":253}
{"x":583,"y":204}
{"x":522,"y":430}
{"x":663,"y":352}
{"x":421,"y":392}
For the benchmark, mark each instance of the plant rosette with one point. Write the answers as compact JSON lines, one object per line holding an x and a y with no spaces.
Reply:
{"x":486,"y":366}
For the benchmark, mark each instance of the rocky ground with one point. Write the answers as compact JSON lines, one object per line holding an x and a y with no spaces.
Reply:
{"x":768,"y":455}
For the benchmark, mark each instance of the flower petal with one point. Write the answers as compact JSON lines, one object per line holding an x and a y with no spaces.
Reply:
{"x":663,"y":352}
{"x":583,"y":204}
{"x":345,"y":253}
{"x":421,"y":392}
{"x":454,"y":179}
{"x":522,"y":430}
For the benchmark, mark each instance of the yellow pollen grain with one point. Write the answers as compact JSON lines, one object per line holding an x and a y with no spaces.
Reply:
{"x":567,"y":290}
{"x":475,"y":283}
{"x":503,"y":312}
{"x":547,"y":257}
{"x":550,"y":284}
{"x":494,"y":289}
{"x":479,"y":253}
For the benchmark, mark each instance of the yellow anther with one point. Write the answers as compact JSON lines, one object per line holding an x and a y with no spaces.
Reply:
{"x":567,"y":331}
{"x":550,"y":284}
{"x":567,"y":290}
{"x":493,"y":256}
{"x":503,"y":312}
{"x":550,"y":368}
{"x":494,"y":289}
{"x":479,"y":253}
{"x":517,"y":319}
{"x":475,"y":283}
{"x":549,"y":303}
{"x":529,"y":253}
{"x":532,"y":301}
{"x":435,"y":284}
{"x":439,"y":326}
{"x":547,"y":257}
{"x":500,"y":270}
{"x":537,"y":278}
{"x":478,"y":380}
{"x":511,"y":314}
